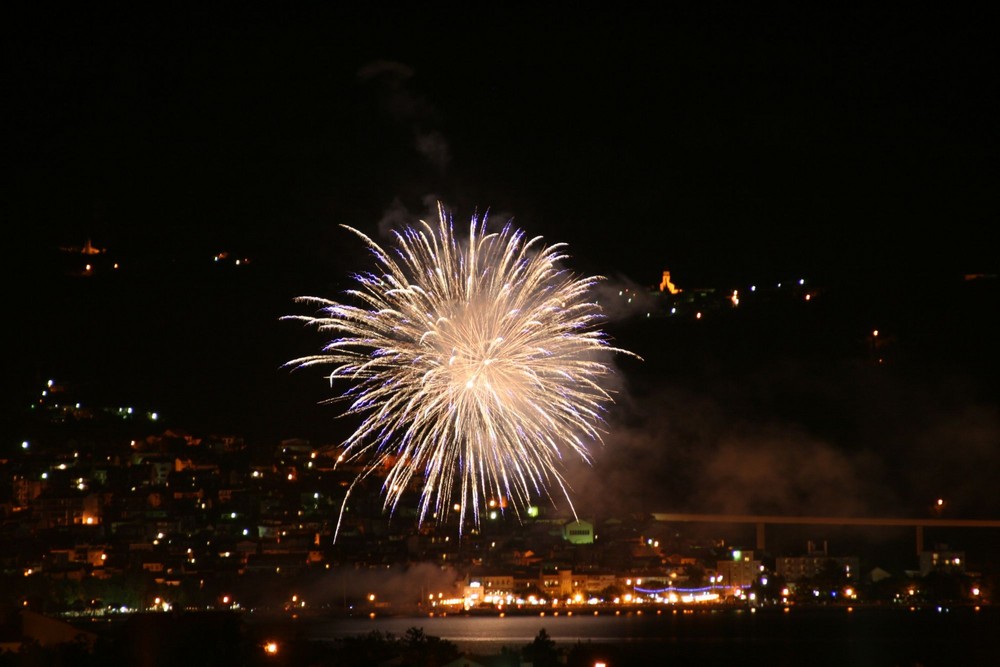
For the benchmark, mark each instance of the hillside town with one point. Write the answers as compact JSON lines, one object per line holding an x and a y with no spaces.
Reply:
{"x":97,"y":522}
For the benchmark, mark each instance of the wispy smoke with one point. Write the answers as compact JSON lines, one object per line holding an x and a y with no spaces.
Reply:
{"x":405,"y":107}
{"x":781,"y":472}
{"x":433,"y":146}
{"x":866,"y":445}
{"x":957,"y":457}
{"x":397,"y":216}
{"x":622,"y":298}
{"x":391,"y":77}
{"x":391,"y":82}
{"x":399,"y":584}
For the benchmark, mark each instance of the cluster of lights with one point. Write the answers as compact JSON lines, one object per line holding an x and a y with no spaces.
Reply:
{"x":296,"y":602}
{"x":88,"y":269}
{"x":127,"y":412}
{"x":51,"y":389}
{"x":224,"y":257}
{"x":733,"y":297}
{"x":476,"y":596}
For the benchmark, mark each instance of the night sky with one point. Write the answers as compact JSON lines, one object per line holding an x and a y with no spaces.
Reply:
{"x":853,"y":147}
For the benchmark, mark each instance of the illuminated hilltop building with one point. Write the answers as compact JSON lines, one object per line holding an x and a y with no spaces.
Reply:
{"x":88,"y":248}
{"x":94,"y":260}
{"x":579,"y":532}
{"x":667,"y":286}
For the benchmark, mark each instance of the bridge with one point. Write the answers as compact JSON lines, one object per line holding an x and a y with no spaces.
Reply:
{"x":762,"y":520}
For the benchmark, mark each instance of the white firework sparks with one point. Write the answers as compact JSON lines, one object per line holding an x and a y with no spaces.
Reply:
{"x":474,"y":361}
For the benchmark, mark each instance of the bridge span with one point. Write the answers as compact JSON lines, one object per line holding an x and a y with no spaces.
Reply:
{"x":762,"y":520}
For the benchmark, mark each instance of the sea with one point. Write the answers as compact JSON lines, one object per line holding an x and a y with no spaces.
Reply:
{"x":745,"y":637}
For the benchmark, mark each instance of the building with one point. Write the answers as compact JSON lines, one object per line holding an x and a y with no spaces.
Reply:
{"x":942,"y":559}
{"x":817,"y":562}
{"x":739,"y":572}
{"x":578,"y":532}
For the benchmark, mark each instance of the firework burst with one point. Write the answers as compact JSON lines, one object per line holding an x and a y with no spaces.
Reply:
{"x":475,"y":365}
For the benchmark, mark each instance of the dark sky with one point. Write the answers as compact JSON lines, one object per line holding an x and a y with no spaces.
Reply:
{"x":718,"y":143}
{"x":851,"y":146}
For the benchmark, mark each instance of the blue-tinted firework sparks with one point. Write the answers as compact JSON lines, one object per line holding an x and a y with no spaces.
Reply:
{"x":476,"y":362}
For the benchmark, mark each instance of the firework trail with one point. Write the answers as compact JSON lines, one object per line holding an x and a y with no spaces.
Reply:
{"x":475,"y":362}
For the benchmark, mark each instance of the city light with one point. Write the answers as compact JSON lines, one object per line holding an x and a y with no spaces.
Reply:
{"x":267,"y":517}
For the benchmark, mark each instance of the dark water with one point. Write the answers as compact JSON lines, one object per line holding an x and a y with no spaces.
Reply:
{"x":832,"y":636}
